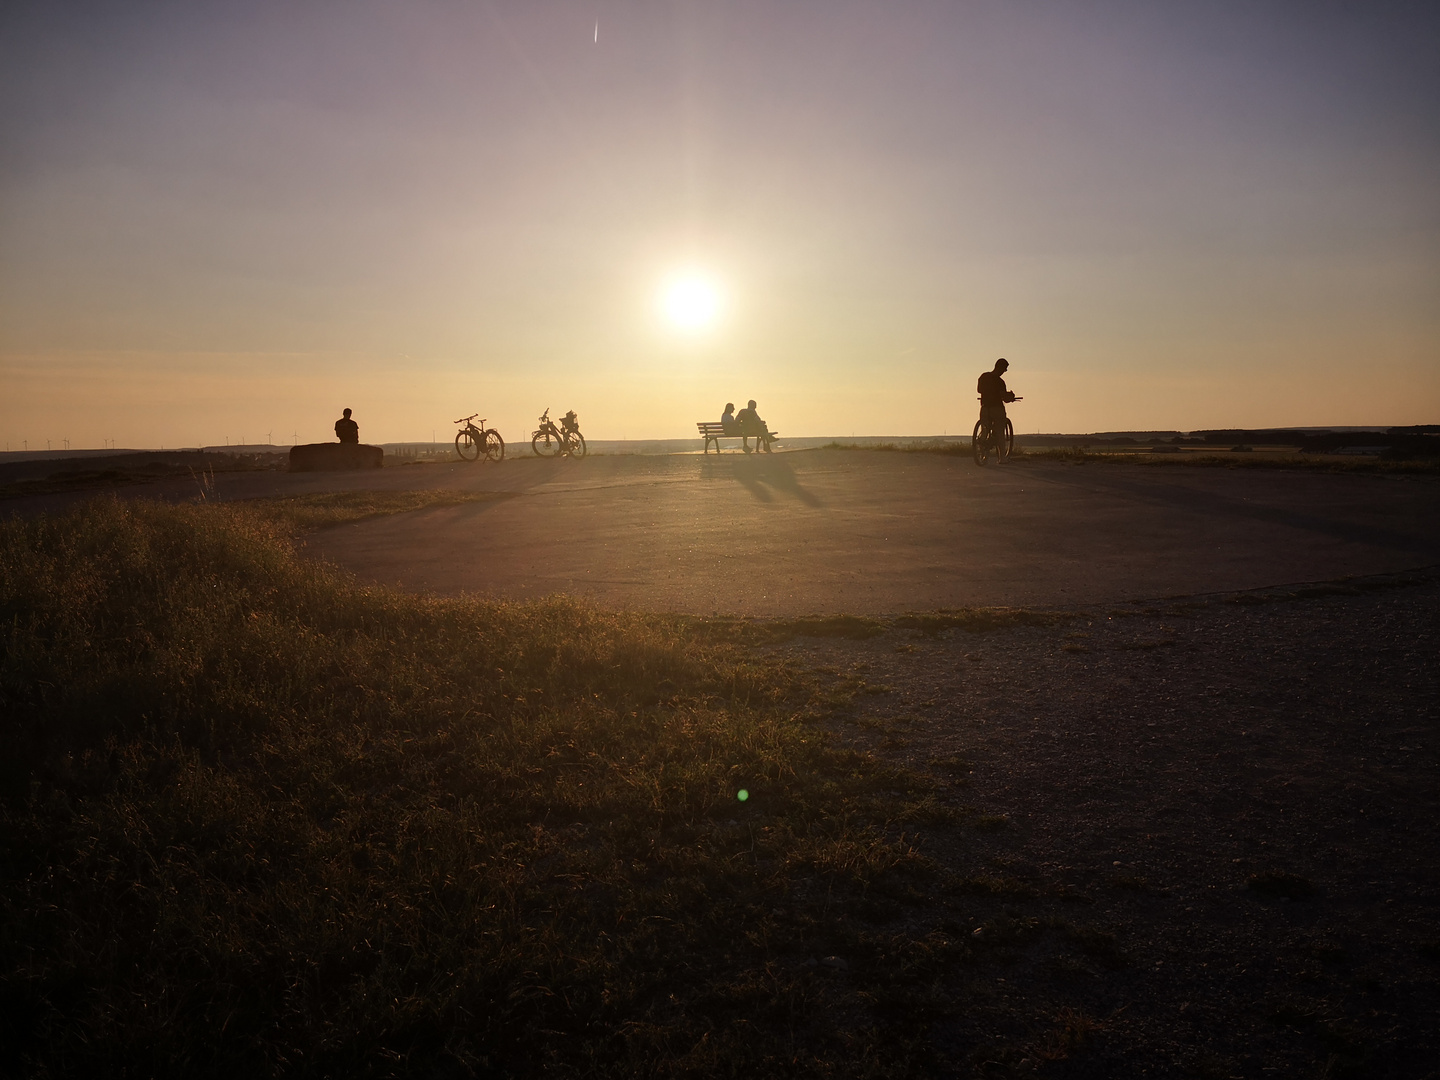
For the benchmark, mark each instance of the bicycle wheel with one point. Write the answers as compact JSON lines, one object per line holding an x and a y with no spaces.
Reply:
{"x":494,"y":445}
{"x":545,"y":444}
{"x":1004,"y":441}
{"x":466,"y":446}
{"x":575,"y":444}
{"x":980,"y":443}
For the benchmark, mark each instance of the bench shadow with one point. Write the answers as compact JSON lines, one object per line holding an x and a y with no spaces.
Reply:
{"x":764,"y":476}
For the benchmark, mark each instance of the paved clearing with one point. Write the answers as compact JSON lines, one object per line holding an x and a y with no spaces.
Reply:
{"x":855,"y":531}
{"x":868,"y":532}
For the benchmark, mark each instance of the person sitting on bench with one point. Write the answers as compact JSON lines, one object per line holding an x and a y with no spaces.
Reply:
{"x":751,"y":425}
{"x":728,"y":424}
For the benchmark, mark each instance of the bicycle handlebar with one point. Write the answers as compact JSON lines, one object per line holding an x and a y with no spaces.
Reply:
{"x":1016,"y":398}
{"x":470,"y":417}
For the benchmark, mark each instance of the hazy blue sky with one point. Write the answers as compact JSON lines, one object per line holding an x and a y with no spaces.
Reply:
{"x":234,"y":219}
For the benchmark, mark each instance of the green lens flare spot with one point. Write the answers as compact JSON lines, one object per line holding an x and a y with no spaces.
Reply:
{"x":742,"y":794}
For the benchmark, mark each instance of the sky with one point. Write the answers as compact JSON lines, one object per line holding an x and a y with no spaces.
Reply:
{"x":229,"y":221}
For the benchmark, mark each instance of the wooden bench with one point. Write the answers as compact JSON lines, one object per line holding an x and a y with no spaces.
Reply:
{"x":714,"y":431}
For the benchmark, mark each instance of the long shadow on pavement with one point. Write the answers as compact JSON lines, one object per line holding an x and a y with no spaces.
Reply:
{"x":762,"y":476}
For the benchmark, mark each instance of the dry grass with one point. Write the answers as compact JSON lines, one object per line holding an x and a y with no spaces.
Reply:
{"x":929,"y":446}
{"x":121,"y":470}
{"x":259,"y":820}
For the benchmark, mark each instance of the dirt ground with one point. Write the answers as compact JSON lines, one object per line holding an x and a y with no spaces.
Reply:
{"x":1200,"y":837}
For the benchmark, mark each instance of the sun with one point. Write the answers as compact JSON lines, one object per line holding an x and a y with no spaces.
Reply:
{"x":691,"y":301}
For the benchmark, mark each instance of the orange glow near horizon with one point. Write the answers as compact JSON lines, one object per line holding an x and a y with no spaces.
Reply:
{"x":1166,"y":217}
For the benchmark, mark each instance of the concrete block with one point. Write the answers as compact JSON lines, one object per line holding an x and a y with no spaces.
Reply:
{"x":335,"y":457}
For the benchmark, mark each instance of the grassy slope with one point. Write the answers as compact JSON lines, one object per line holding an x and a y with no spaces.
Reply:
{"x":258,"y":819}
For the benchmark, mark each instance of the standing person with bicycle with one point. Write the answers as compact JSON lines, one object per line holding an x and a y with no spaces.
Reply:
{"x":993,"y":396}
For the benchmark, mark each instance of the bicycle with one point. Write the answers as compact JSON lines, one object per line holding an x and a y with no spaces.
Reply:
{"x":985,"y":440}
{"x":551,"y":441}
{"x":471,"y":442}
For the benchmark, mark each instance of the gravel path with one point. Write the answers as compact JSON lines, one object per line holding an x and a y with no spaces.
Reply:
{"x":1207,"y":832}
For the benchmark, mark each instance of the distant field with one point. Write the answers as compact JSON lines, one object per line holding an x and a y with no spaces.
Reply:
{"x":1264,"y":457}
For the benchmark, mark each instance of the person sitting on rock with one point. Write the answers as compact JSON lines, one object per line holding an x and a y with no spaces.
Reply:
{"x":347,"y":430}
{"x":751,"y":425}
{"x":728,"y":424}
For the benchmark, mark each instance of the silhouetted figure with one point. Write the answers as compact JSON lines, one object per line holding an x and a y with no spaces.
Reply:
{"x":348,"y":453}
{"x":994,"y":394}
{"x":751,"y":426}
{"x":347,"y":430}
{"x":728,"y":424}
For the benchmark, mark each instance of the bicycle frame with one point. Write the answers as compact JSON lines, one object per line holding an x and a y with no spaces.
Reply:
{"x":549,"y":440}
{"x":484,"y":441}
{"x":992,"y":438}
